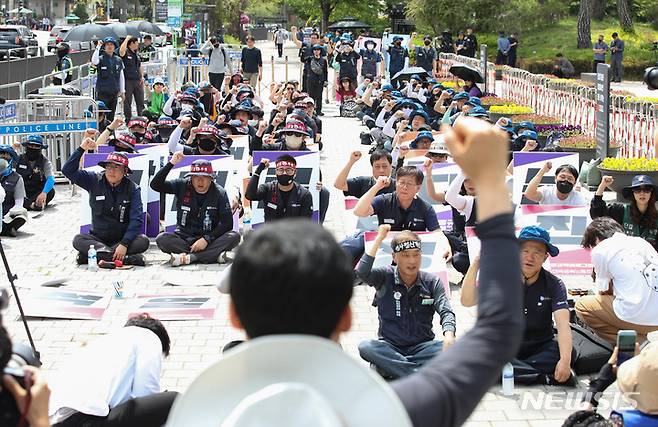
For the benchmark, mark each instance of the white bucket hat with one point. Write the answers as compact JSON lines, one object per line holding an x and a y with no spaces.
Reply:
{"x":291,"y":381}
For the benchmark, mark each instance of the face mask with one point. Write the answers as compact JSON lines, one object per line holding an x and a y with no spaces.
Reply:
{"x":32,"y":153}
{"x":165,"y":133}
{"x":564,"y":187}
{"x":207,"y":144}
{"x":427,"y":42}
{"x":9,"y":169}
{"x":284,"y":179}
{"x":370,"y":47}
{"x":294,"y":142}
{"x":186,"y":107}
{"x":253,"y":123}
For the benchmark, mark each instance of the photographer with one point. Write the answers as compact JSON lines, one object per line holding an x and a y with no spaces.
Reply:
{"x":32,"y":404}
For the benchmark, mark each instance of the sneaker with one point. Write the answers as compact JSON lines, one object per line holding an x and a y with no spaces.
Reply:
{"x":137,"y":259}
{"x":177,"y":260}
{"x":226,"y":257}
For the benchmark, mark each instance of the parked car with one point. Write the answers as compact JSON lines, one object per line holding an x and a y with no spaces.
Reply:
{"x":57,"y":35}
{"x":20,"y":38}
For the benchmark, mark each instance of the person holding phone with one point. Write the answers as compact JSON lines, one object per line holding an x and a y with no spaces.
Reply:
{"x":626,"y":276}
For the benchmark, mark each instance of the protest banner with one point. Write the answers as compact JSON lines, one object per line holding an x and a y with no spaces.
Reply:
{"x":176,"y":306}
{"x":432,"y":254}
{"x":65,"y":303}
{"x":308,"y":175}
{"x":527,"y":164}
{"x":224,"y":177}
{"x":138,"y":163}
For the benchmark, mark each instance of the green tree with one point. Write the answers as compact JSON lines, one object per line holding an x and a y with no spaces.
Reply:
{"x":80,"y":10}
{"x":584,"y":29}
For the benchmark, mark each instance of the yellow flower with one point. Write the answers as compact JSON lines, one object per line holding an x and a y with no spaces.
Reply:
{"x":510,"y":109}
{"x":630,"y":164}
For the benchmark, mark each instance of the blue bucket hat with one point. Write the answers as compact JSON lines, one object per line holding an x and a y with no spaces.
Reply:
{"x":460,"y":96}
{"x":396,"y":38}
{"x":396,"y":94}
{"x":438,"y":86}
{"x":450,"y":91}
{"x":421,"y":113}
{"x":638,"y":181}
{"x":421,"y":135}
{"x":6,"y":148}
{"x":526,"y":124}
{"x":35,"y":140}
{"x":477,"y":111}
{"x":415,"y":77}
{"x":387,"y":87}
{"x":528,"y":134}
{"x":111,"y":39}
{"x":538,"y":234}
{"x":474,"y":101}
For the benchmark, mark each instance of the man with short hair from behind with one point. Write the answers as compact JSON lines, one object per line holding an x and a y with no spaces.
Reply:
{"x":293,"y":278}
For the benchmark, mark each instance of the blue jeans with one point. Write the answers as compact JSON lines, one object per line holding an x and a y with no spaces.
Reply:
{"x":396,"y":362}
{"x":354,"y":245}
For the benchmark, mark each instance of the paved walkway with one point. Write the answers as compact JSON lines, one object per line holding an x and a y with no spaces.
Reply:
{"x":43,"y":250}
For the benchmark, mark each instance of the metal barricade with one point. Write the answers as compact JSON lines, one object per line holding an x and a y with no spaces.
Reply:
{"x":632,"y":121}
{"x":60,"y":120}
{"x":192,"y":65}
{"x":446,"y":60}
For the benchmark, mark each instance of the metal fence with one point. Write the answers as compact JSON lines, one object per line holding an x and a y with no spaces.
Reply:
{"x":61,"y":121}
{"x":632,"y":121}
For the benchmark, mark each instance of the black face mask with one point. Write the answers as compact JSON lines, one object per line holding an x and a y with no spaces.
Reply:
{"x":564,"y":187}
{"x":207,"y":144}
{"x":284,"y":179}
{"x":427,"y":42}
{"x":165,"y":133}
{"x":32,"y":153}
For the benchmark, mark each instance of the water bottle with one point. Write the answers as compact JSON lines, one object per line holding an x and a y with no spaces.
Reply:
{"x":508,"y":379}
{"x":246,"y":221}
{"x":92,"y":264}
{"x":207,"y":223}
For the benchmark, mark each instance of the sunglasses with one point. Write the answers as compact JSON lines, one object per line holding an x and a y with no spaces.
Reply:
{"x":642,"y":189}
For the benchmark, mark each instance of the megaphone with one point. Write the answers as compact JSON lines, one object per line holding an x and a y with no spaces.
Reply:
{"x":651,"y":78}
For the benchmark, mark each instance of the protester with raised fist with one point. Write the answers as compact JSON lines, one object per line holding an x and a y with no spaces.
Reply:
{"x":562,"y":193}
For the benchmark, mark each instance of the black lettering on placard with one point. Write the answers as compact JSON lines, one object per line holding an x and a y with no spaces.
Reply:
{"x":575,"y":225}
{"x":136,"y":176}
{"x":73,"y":298}
{"x":237,"y":152}
{"x":175,"y":302}
{"x":151,"y":167}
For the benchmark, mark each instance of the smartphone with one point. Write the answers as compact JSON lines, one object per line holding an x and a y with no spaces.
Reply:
{"x":626,"y":340}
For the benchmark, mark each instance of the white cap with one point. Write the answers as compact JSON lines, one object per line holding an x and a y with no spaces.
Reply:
{"x":285,"y":380}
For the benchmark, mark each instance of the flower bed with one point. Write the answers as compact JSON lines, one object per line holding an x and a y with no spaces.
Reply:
{"x":640,"y":164}
{"x":511,"y":109}
{"x":642,"y":99}
{"x":537,"y":119}
{"x":567,"y":130}
{"x":493,"y":100}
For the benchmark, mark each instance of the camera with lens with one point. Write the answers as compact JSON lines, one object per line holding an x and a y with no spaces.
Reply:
{"x":12,"y":360}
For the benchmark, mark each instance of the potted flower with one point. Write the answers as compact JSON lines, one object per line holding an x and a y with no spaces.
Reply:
{"x":585,"y":146}
{"x":490,"y":100}
{"x":537,"y":119}
{"x":624,"y":169}
{"x":545,"y":130}
{"x":507,"y":110}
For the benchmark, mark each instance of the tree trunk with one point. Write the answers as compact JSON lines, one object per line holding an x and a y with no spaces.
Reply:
{"x":624,"y":15}
{"x":598,"y":9}
{"x":584,"y":31}
{"x":326,"y":7}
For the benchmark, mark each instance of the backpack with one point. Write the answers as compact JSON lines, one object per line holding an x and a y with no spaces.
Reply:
{"x":223,"y":52}
{"x":593,"y":351}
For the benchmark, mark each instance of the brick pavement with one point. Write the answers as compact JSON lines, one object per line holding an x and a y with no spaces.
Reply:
{"x":43,"y":250}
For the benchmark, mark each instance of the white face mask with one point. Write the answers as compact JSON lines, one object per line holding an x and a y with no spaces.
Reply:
{"x":294,"y":142}
{"x":253,"y":123}
{"x":186,"y":107}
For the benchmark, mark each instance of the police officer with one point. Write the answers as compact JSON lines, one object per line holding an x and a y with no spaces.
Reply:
{"x":426,"y":55}
{"x":204,"y":221}
{"x":406,"y":301}
{"x":110,"y":83}
{"x":370,"y":59}
{"x":14,"y":214}
{"x":117,"y":212}
{"x":134,"y":76}
{"x":146,"y":48}
{"x":64,"y":64}
{"x":37,"y":173}
{"x":282,"y":198}
{"x":398,"y":57}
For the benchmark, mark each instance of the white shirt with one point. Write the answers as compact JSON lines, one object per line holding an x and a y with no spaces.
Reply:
{"x":549,"y":197}
{"x":632,"y":265}
{"x":110,"y":370}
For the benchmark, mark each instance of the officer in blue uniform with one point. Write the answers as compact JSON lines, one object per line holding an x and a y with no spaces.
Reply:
{"x":117,"y":212}
{"x":398,"y":56}
{"x":110,"y":83}
{"x":37,"y":173}
{"x":204,"y":221}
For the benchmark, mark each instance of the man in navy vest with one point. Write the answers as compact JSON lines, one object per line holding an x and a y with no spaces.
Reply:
{"x":110,"y":83}
{"x":204,"y":220}
{"x":117,"y":212}
{"x":133,"y":75}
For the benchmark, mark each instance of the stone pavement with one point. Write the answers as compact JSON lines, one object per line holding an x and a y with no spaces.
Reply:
{"x":43,"y":250}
